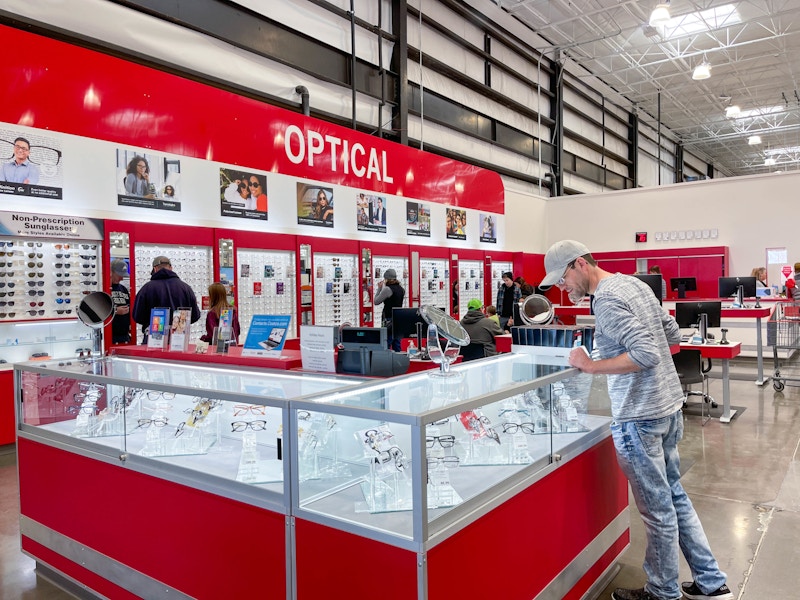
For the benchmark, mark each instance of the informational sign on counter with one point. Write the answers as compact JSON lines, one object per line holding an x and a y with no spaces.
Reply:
{"x":267,"y":335}
{"x":316,"y":348}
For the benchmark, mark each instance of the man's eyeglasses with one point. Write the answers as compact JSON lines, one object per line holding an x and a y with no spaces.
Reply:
{"x":569,"y":266}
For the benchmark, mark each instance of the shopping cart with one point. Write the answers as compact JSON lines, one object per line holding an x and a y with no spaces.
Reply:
{"x":783,"y":332}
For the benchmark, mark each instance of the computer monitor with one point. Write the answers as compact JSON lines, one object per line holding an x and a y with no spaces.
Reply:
{"x":404,"y":323}
{"x":687,"y":314}
{"x":729,"y":285}
{"x":654,"y":281}
{"x":683,"y":285}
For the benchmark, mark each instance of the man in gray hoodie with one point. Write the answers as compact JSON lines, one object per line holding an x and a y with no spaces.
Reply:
{"x":481,"y":329}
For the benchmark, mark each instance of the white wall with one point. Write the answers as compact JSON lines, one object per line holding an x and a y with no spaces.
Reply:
{"x":525,"y":221}
{"x":750,"y":214}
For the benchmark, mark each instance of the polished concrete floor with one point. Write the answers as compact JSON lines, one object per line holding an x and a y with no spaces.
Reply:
{"x":743,"y":477}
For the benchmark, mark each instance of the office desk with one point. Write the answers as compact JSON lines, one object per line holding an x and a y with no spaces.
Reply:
{"x":724,"y":353}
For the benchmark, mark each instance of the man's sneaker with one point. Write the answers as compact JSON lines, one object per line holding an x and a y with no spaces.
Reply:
{"x":691,"y":591}
{"x":640,"y":594}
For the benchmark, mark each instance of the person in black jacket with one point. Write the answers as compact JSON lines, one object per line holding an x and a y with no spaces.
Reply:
{"x":390,"y":294}
{"x":165,"y":289}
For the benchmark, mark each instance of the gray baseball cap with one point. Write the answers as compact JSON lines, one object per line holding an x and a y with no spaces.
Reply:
{"x":558,"y":257}
{"x":161,"y":260}
{"x":119,"y":267}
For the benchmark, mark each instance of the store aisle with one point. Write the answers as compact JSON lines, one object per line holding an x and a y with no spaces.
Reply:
{"x":744,"y":479}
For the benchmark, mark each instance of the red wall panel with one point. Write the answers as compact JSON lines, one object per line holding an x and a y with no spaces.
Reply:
{"x":142,"y":106}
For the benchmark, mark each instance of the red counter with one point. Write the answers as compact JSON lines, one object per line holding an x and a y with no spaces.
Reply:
{"x":288,"y":359}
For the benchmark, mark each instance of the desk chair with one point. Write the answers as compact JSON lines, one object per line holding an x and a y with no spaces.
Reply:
{"x":472,"y":351}
{"x":690,"y":368}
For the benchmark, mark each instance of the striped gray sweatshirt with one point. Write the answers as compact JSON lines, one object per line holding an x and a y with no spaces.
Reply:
{"x":629,"y":319}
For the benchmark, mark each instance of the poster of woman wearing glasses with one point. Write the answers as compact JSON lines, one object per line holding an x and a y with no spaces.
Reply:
{"x":243,"y":194}
{"x":146,"y":180}
{"x":30,"y":164}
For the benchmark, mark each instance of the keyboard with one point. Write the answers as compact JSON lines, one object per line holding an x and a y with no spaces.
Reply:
{"x":686,"y":338}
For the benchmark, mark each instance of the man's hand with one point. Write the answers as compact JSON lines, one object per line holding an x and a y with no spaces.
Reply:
{"x":580,"y":359}
{"x":123,"y":310}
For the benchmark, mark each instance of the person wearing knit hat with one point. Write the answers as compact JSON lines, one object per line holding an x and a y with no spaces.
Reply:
{"x":390,"y":294}
{"x":481,"y":329}
{"x":121,"y":297}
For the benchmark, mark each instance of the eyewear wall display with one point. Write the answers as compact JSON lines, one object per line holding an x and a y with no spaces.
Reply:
{"x":34,"y":259}
{"x":434,"y":283}
{"x":471,"y":284}
{"x":267,"y":286}
{"x":336,"y":298}
{"x":193,"y":264}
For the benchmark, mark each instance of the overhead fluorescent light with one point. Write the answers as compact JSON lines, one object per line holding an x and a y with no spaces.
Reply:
{"x":754,"y":140}
{"x":702,"y":71}
{"x":733,"y":111}
{"x":660,"y":15}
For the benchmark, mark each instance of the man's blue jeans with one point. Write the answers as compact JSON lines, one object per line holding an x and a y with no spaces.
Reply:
{"x":647,"y":452}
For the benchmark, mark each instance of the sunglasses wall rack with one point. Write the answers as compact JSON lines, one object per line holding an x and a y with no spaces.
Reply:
{"x":266,"y":285}
{"x":434,"y":281}
{"x":193,"y":264}
{"x":336,"y":289}
{"x":46,"y":279}
{"x":470,"y":283}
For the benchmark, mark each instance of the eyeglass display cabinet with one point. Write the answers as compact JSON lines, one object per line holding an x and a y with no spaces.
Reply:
{"x":167,"y":478}
{"x":309,"y":483}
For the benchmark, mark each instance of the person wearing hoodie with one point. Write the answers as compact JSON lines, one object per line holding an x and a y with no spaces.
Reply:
{"x":481,"y":329}
{"x":165,"y":289}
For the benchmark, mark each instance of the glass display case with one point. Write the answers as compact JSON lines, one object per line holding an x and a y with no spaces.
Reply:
{"x":218,"y":424}
{"x":420,"y":471}
{"x":407,"y":458}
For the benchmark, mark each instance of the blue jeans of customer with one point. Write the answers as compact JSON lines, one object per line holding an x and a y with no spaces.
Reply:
{"x":647,"y":452}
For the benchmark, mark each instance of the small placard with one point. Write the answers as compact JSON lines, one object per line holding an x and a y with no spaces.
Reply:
{"x":159,"y":328}
{"x":316,"y":348}
{"x":267,"y":335}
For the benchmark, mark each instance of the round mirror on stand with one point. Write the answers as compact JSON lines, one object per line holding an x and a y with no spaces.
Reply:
{"x":536,"y":310}
{"x":95,"y":311}
{"x":440,"y":324}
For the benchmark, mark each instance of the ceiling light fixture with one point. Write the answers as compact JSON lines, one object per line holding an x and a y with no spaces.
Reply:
{"x":754,"y":140}
{"x":702,"y":71}
{"x":768,"y":162}
{"x":660,"y":15}
{"x":732,"y":111}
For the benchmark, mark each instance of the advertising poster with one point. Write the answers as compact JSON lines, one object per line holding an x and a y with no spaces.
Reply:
{"x":371,"y":213}
{"x":418,"y":219}
{"x":488,"y":228}
{"x":314,"y":205}
{"x":243,"y":194}
{"x":456,"y":224}
{"x":31,"y":164}
{"x":267,"y":335}
{"x":146,"y":180}
{"x":180,"y":330}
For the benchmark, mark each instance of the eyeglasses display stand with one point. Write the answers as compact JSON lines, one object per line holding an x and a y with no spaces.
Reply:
{"x":434,"y":282}
{"x":416,"y":469}
{"x":266,"y":285}
{"x":336,"y":291}
{"x":193,"y":264}
{"x":470,"y":282}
